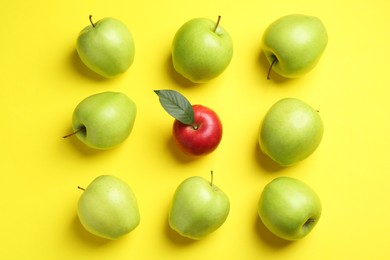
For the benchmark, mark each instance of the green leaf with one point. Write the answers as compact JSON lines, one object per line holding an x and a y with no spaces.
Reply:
{"x":176,"y":105}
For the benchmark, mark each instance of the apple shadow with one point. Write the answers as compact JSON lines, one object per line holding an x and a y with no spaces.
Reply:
{"x":176,"y":77}
{"x":265,"y":162}
{"x":87,"y":237}
{"x":268,"y":237}
{"x":178,"y":154}
{"x":265,"y":65}
{"x":176,"y":238}
{"x":80,"y":67}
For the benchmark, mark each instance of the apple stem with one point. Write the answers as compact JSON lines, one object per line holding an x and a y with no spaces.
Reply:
{"x":75,"y":132}
{"x":80,"y":188}
{"x":270,"y":68}
{"x":90,"y":19}
{"x":211,"y":178}
{"x":216,"y":26}
{"x":309,"y":221}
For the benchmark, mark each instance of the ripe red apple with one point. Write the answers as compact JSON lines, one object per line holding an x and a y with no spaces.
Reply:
{"x":197,"y":129}
{"x":203,"y":136}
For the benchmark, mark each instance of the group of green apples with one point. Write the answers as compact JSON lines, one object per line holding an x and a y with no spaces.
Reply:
{"x":201,"y":50}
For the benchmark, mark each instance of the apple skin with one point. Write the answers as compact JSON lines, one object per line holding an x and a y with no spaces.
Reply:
{"x":108,"y":208}
{"x":297,"y":42}
{"x":198,"y":208}
{"x":106,"y":48}
{"x":290,"y":132}
{"x":289,"y":208}
{"x":200,"y":54}
{"x":201,"y":138}
{"x":108,"y":118}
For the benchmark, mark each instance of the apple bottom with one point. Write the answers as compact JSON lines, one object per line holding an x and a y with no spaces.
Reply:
{"x":289,"y":208}
{"x":203,"y":136}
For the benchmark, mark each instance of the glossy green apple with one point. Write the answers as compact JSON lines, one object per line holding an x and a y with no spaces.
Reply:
{"x":289,"y":208}
{"x":293,"y":44}
{"x":198,"y":208}
{"x":106,"y":47}
{"x":291,"y":131}
{"x":201,"y":50}
{"x":108,"y":208}
{"x":104,"y":120}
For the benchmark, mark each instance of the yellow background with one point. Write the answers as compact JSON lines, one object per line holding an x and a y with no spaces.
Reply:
{"x":42,"y":80}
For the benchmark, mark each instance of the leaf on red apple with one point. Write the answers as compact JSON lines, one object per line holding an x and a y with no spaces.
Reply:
{"x":176,"y":105}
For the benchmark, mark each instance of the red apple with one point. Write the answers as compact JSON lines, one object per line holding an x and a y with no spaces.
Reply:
{"x":203,"y":136}
{"x":197,"y":129}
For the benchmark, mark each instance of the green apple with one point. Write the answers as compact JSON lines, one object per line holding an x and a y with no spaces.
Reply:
{"x":201,"y":50}
{"x":291,"y":131}
{"x":293,"y":44}
{"x":104,"y":120}
{"x":106,"y":47}
{"x":108,"y":207}
{"x":198,"y":208}
{"x":289,"y":208}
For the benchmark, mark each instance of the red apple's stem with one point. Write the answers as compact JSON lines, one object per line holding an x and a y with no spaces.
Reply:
{"x":270,"y":68}
{"x":80,"y":188}
{"x":75,"y":132}
{"x":90,"y":19}
{"x":212,"y":178}
{"x":216,"y":26}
